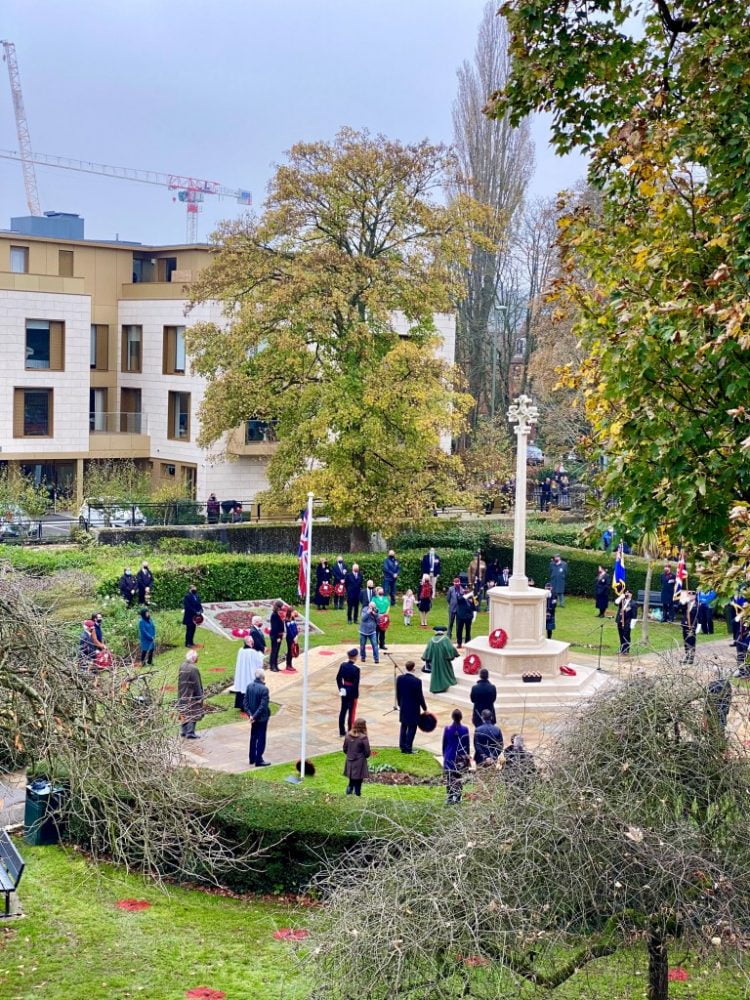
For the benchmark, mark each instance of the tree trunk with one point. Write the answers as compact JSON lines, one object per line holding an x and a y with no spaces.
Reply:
{"x":359,"y":538}
{"x":658,"y":967}
{"x":644,"y":624}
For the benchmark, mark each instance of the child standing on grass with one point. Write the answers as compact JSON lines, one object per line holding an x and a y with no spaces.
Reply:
{"x":408,"y":606}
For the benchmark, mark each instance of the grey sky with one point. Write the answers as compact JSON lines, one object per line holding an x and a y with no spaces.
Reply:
{"x":219,"y":90}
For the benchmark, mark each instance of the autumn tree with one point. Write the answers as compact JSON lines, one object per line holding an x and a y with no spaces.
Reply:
{"x":495,"y":161}
{"x":330,"y":298}
{"x":656,"y":93}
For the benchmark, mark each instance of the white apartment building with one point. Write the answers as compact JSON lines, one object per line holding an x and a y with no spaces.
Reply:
{"x":93,"y":363}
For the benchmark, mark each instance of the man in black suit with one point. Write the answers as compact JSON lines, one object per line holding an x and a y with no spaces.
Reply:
{"x":483,"y":696}
{"x":256,"y":631}
{"x":503,"y":578}
{"x":353,"y":584}
{"x":666,"y":585}
{"x":431,"y":567}
{"x":339,"y":571}
{"x":347,"y":681}
{"x":276,"y":634}
{"x":192,"y":606}
{"x":410,"y":700}
{"x":367,"y":594}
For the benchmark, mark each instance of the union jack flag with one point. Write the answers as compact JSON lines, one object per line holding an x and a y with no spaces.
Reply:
{"x":303,"y":554}
{"x":619,"y":576}
{"x":680,"y":576}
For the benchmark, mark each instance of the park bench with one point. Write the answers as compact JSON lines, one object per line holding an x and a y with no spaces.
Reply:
{"x":654,"y":598}
{"x":11,"y":869}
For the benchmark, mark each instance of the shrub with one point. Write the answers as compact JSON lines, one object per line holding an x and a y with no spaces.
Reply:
{"x":484,"y":534}
{"x":189,"y":546}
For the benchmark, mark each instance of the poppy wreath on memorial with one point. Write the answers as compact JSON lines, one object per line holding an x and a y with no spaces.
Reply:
{"x":498,"y":638}
{"x":197,"y":619}
{"x":472,"y":663}
{"x":383,"y":622}
{"x":325,"y":589}
{"x":103,"y":659}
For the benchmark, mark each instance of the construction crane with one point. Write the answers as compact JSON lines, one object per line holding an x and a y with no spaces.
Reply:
{"x":189,"y":190}
{"x":22,"y":129}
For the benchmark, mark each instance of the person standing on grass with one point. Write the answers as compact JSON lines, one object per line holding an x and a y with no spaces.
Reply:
{"x":367,"y":594}
{"x":626,"y":612}
{"x":147,"y":637}
{"x":339,"y":572}
{"x":666,"y":582}
{"x":357,"y":750}
{"x":456,"y":756}
{"x":391,"y":570}
{"x":322,"y":579}
{"x":249,"y":661}
{"x":425,"y":599}
{"x":551,"y":607}
{"x":291,"y":631}
{"x":601,"y":591}
{"x":408,"y":606}
{"x":257,"y":706}
{"x":452,"y":595}
{"x":410,"y":701}
{"x":128,"y":587}
{"x":353,"y":584}
{"x":431,"y":566}
{"x":347,"y":682}
{"x":189,"y":696}
{"x":368,"y":633}
{"x":558,"y":574}
{"x":276,"y":635}
{"x":192,"y":607}
{"x":488,"y":741}
{"x":383,"y":604}
{"x":144,"y":579}
{"x":483,"y":697}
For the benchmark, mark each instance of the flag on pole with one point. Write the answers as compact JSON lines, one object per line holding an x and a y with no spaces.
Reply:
{"x":680,"y":576}
{"x":303,"y":554}
{"x":618,"y":574}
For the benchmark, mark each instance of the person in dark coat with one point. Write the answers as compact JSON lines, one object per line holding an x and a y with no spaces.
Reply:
{"x":666,"y":583}
{"x":519,"y":762}
{"x":452,"y":595}
{"x":347,"y":682}
{"x":322,"y":575}
{"x":558,"y":575}
{"x":86,"y":646}
{"x":144,"y":579}
{"x":128,"y":587}
{"x":483,"y":697}
{"x":367,"y":594}
{"x":353,"y":583}
{"x":465,"y":608}
{"x":357,"y":750}
{"x":338,"y":572}
{"x":488,"y":741}
{"x":504,"y":578}
{"x":626,"y":613}
{"x":601,"y":591}
{"x":391,"y":570}
{"x":291,"y":631}
{"x":258,"y":711}
{"x":550,"y":609}
{"x":256,"y":633}
{"x":431,"y":566}
{"x":213,"y":509}
{"x":545,"y":495}
{"x":689,"y":627}
{"x":189,"y":696}
{"x":456,"y":756}
{"x":276,"y":635}
{"x":410,"y":701}
{"x":192,"y":606}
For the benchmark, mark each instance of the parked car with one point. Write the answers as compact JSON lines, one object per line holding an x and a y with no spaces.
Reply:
{"x":534,"y":455}
{"x":13,"y":521}
{"x":99,"y":514}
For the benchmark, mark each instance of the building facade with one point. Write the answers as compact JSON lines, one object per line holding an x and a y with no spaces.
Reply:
{"x":93,"y":365}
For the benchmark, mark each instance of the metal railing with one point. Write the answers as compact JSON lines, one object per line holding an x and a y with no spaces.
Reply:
{"x":117,"y":422}
{"x":180,"y":512}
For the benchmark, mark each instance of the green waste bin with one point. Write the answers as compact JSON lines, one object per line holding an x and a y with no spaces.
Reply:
{"x":40,"y":820}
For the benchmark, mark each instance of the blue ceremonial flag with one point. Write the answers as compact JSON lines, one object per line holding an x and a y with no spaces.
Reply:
{"x":618,"y":574}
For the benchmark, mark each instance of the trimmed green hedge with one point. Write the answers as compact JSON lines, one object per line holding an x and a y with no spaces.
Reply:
{"x":582,"y":566}
{"x":483,"y":535}
{"x":224,"y":577}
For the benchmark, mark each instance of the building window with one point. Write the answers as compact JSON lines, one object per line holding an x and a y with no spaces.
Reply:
{"x":131,"y":418}
{"x":168,"y":471}
{"x":173,"y":351}
{"x":178,"y":416}
{"x":45,"y":344}
{"x":32,"y":413}
{"x":259,"y":430}
{"x":99,"y":358}
{"x":132,"y":355}
{"x":98,"y":410}
{"x":189,"y":480}
{"x":19,"y":260}
{"x":65,"y":263}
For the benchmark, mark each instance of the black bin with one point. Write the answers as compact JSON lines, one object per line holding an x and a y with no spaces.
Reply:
{"x":40,"y":822}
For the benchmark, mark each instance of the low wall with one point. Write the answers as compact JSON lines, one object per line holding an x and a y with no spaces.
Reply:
{"x":245,"y":538}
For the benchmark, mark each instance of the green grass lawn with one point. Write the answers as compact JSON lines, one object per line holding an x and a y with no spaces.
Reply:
{"x":75,"y":944}
{"x":329,"y":777}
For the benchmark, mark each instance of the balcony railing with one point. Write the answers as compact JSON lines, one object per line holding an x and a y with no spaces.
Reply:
{"x":118,"y":422}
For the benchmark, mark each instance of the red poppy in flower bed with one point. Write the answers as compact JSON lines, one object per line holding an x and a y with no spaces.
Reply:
{"x":677,"y":975}
{"x":291,"y":934}
{"x":498,"y":638}
{"x":235,"y":619}
{"x":133,"y":905}
{"x":217,"y":670}
{"x":204,"y":993}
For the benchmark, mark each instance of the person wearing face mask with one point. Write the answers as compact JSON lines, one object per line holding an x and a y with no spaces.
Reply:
{"x":339,"y":571}
{"x":431,"y":566}
{"x":147,"y":637}
{"x":144,"y":579}
{"x":192,"y":607}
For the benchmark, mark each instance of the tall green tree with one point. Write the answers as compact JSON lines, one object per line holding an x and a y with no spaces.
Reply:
{"x":330,"y":298}
{"x":656,"y":93}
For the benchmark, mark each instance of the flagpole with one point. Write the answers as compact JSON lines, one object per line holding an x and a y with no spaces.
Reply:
{"x":308,"y":588}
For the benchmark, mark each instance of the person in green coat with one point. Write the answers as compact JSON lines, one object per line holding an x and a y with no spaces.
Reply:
{"x":383,"y":603}
{"x":438,"y":660}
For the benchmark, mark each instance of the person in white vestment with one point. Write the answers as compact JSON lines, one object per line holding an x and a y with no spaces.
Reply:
{"x":249,"y":660}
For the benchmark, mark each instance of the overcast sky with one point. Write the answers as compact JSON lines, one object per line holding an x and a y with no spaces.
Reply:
{"x":219,"y":90}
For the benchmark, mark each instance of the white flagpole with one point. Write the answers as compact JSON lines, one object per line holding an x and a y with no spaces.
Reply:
{"x":308,"y":576}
